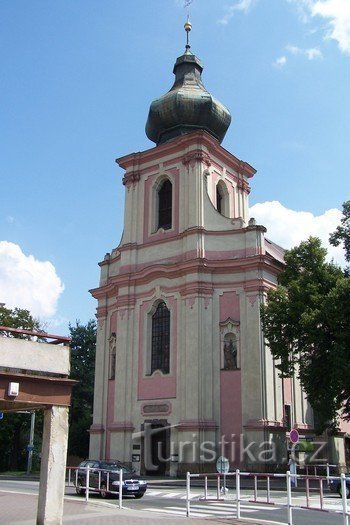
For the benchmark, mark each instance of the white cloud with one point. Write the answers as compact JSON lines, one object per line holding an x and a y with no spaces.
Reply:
{"x":280,"y":62}
{"x":28,"y":283}
{"x":310,"y":53}
{"x":288,"y":227}
{"x":242,"y":6}
{"x":336,"y":13}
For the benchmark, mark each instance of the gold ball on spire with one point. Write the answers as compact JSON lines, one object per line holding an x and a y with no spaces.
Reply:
{"x":188,"y":26}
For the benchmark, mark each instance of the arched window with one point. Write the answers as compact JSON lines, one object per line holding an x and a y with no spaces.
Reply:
{"x":160,"y":355}
{"x":165,"y":205}
{"x":219,"y":198}
{"x":222,"y":199}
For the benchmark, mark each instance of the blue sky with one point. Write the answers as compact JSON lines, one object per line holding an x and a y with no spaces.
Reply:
{"x":77,"y":80}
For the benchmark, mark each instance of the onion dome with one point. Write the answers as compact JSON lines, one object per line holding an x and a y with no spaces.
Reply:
{"x":187,"y":106}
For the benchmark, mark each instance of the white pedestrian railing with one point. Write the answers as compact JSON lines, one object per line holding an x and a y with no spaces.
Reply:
{"x":85,"y":483}
{"x":266,"y":496}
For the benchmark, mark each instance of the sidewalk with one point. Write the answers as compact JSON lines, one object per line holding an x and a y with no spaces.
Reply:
{"x":20,"y":509}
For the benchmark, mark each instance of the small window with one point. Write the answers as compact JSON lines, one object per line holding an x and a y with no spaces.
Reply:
{"x":165,"y":195}
{"x":160,"y":356}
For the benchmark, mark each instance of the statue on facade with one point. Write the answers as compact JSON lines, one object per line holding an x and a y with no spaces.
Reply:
{"x":113,"y":354}
{"x":230,"y":355}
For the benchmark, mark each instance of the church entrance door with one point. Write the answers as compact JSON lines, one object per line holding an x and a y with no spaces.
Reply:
{"x":155,"y":448}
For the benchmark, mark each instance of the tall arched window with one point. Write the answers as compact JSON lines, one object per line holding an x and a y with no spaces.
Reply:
{"x":165,"y":205}
{"x":219,"y":198}
{"x":160,"y":355}
{"x":222,"y":199}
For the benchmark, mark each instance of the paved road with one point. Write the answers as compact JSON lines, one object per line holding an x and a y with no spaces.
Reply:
{"x":169,"y":503}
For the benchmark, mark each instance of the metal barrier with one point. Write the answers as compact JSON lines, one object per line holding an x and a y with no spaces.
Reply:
{"x":101,"y":486}
{"x":266,"y":498}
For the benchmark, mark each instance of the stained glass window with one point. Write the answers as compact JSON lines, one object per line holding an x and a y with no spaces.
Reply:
{"x":160,"y":359}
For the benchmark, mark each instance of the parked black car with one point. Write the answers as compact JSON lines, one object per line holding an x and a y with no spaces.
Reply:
{"x":104,"y":478}
{"x":335,"y":485}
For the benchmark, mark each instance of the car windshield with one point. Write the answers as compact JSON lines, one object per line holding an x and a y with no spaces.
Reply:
{"x":115,"y":467}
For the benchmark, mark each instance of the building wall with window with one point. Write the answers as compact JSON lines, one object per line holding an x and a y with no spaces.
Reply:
{"x":180,"y":347}
{"x":182,"y":371}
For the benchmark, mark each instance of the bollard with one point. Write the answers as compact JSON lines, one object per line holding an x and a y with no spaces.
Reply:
{"x":238,"y":494}
{"x":206,"y":487}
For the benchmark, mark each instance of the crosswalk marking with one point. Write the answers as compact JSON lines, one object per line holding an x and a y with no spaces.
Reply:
{"x":202,"y":510}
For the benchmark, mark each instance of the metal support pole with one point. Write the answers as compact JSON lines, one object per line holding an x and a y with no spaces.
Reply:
{"x":307,"y":492}
{"x":188,"y":489}
{"x":206,"y":487}
{"x":255,"y":488}
{"x":31,"y":442}
{"x":344,"y":500}
{"x":238,"y":494}
{"x":321,"y":493}
{"x":268,"y":489}
{"x":327,"y":473}
{"x":289,"y":499}
{"x":218,"y":487}
{"x":87,"y":484}
{"x":121,"y":488}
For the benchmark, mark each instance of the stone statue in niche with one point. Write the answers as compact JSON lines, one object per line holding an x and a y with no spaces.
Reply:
{"x":230,"y":354}
{"x":113,"y":354}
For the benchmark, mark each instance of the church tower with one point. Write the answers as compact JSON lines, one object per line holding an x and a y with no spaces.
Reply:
{"x":182,"y":371}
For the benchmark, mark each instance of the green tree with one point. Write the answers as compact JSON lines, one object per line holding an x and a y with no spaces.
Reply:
{"x":83,"y":348}
{"x":18,"y":318}
{"x":15,"y":427}
{"x":342,"y":233}
{"x":305,"y":322}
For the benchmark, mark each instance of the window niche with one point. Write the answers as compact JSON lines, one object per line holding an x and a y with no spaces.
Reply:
{"x":229,"y":345}
{"x":159,"y":355}
{"x":222,"y":199}
{"x":112,"y":355}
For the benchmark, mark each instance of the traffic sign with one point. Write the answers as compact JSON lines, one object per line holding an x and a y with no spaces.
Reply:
{"x":30,"y":448}
{"x":294,"y":436}
{"x":1,"y":415}
{"x":222,"y":465}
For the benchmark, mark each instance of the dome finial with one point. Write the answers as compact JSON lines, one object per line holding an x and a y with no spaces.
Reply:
{"x":188,"y":27}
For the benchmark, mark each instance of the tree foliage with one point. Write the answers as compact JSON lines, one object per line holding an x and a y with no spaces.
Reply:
{"x":83,"y":348}
{"x":306,"y":324}
{"x":18,"y":318}
{"x":342,"y":233}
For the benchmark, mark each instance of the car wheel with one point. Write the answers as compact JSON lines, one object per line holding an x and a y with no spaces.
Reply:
{"x":78,"y":488}
{"x":139,"y":495}
{"x":347,"y":489}
{"x":103,"y":491}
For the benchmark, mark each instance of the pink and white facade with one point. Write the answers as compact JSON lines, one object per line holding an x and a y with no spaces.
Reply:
{"x":212,"y":270}
{"x":216,"y":390}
